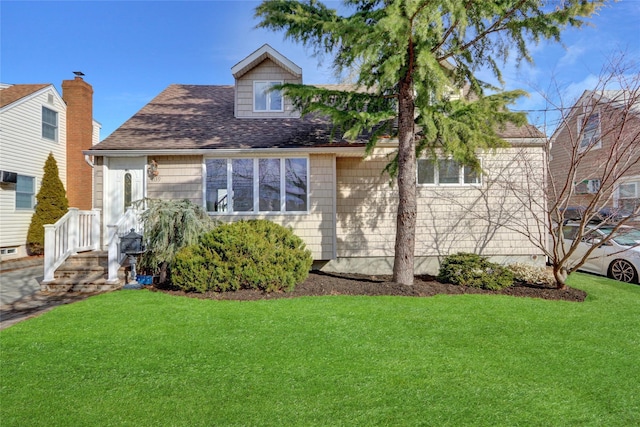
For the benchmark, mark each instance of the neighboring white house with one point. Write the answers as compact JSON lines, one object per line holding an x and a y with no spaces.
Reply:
{"x":243,"y":152}
{"x":33,"y":123}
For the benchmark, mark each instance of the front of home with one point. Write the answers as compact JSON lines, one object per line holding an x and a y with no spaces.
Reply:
{"x":243,"y":152}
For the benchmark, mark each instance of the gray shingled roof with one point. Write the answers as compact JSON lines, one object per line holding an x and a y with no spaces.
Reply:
{"x":201,"y":117}
{"x":187,"y":117}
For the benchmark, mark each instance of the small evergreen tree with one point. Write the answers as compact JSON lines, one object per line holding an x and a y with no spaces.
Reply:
{"x":51,"y":205}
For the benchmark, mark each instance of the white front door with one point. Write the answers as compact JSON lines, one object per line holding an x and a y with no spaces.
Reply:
{"x":124,"y":185}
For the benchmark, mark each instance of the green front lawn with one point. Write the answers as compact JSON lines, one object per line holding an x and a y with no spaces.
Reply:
{"x":140,"y":358}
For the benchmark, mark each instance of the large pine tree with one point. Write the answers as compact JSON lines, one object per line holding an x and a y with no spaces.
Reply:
{"x":408,"y":54}
{"x":51,"y":205}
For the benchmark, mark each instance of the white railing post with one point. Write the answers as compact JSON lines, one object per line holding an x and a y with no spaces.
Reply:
{"x":95,"y":229}
{"x":114,"y":254}
{"x":74,"y":230}
{"x":49,"y":251}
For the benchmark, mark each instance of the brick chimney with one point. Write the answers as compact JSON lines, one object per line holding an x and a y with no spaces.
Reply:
{"x":78,"y":95}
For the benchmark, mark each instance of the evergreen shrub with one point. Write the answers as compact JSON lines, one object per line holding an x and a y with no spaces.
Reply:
{"x":52,"y":204}
{"x":474,"y":270}
{"x":250,"y":254}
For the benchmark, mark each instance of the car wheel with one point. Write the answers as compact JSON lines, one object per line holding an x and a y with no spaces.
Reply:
{"x":623,"y":271}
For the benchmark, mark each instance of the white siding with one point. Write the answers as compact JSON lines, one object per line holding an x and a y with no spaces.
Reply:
{"x":95,"y":135}
{"x":23,"y":150}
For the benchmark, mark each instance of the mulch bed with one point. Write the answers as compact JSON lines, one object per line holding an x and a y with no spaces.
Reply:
{"x":319,"y":283}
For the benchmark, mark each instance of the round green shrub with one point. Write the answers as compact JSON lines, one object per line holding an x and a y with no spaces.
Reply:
{"x":474,"y":270}
{"x":253,"y":254}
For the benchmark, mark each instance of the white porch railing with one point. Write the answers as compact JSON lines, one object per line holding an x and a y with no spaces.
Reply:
{"x":126,"y":223}
{"x":76,"y":231}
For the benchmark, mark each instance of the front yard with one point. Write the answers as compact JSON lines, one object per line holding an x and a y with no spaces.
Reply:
{"x":149,"y":358}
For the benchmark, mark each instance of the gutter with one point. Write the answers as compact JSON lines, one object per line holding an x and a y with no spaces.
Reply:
{"x":526,"y":142}
{"x":341,"y":150}
{"x":353,"y":150}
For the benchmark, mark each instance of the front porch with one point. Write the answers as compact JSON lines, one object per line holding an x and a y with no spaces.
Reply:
{"x":77,"y":259}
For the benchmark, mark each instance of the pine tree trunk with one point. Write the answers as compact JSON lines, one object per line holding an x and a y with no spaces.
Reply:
{"x":403,"y":265}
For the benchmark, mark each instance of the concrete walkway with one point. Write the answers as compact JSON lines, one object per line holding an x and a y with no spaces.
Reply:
{"x":20,"y":294}
{"x":19,"y":280}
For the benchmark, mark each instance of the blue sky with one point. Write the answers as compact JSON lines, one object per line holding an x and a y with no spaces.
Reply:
{"x":130,"y":51}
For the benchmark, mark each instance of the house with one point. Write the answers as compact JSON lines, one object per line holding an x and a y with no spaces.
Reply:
{"x":243,"y":152}
{"x":35,"y":121}
{"x":597,"y":150}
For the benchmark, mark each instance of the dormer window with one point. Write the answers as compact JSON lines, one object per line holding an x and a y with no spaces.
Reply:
{"x":255,"y":78}
{"x":266,"y":99}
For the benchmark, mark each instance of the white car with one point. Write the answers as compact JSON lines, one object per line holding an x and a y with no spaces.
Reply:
{"x":618,"y":258}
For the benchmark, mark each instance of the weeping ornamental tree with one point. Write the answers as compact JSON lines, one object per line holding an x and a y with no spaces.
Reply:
{"x":170,"y":225}
{"x":408,"y":55}
{"x":51,"y":205}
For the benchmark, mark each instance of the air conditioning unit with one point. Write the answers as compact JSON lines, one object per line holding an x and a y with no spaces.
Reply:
{"x":587,"y":186}
{"x":8,"y":177}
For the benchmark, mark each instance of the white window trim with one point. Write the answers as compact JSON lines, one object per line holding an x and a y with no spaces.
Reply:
{"x":57,"y":126}
{"x":256,"y":186}
{"x":268,"y":109}
{"x":437,"y":182}
{"x":583,"y":119}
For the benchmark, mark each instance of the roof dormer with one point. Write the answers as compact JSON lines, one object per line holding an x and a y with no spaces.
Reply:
{"x":255,"y":75}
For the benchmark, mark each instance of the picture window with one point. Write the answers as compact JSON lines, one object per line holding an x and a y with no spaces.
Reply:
{"x":257,"y":185}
